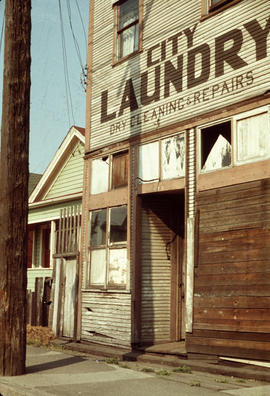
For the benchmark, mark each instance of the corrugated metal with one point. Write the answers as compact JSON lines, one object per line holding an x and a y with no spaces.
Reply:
{"x":70,"y":178}
{"x":106,"y":318}
{"x":155,"y":275}
{"x":155,"y":30}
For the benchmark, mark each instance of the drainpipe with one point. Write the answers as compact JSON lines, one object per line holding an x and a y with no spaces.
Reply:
{"x":191,"y":188}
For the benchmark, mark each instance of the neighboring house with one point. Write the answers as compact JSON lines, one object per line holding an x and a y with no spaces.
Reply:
{"x":59,"y":189}
{"x":176,"y":221}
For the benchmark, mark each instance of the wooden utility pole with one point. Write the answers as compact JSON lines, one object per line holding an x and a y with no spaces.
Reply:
{"x":14,"y":186}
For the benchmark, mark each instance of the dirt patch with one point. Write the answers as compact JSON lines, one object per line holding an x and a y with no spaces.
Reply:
{"x":39,"y":335}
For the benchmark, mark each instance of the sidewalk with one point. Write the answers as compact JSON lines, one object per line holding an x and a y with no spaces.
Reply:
{"x":81,"y":369}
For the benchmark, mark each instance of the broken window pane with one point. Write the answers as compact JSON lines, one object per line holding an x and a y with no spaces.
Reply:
{"x":216,"y":150}
{"x":99,"y":175}
{"x":118,"y":224}
{"x":253,"y":138}
{"x":120,"y":170}
{"x":118,"y":266}
{"x":98,"y":267}
{"x":148,"y":163}
{"x":173,"y":157}
{"x":98,"y":228}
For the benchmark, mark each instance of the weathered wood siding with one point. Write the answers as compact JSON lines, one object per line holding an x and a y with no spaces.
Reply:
{"x":248,"y":79}
{"x":49,"y":212}
{"x":232,"y":278}
{"x":106,"y":318}
{"x":70,"y":177}
{"x":155,"y":274}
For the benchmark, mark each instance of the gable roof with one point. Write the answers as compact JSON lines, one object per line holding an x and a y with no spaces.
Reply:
{"x":74,"y":135}
{"x":33,"y":181}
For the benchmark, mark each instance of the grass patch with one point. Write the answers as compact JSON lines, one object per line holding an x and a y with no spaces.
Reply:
{"x":222,"y":380}
{"x":123,"y":365}
{"x":147,"y":370}
{"x":241,"y":380}
{"x":163,"y":372}
{"x":182,"y":369}
{"x":112,"y":360}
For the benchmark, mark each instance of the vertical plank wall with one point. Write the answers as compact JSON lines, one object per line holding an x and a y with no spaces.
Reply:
{"x":232,"y":278}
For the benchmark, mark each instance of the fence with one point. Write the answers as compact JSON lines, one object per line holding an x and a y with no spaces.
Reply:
{"x":38,"y":302}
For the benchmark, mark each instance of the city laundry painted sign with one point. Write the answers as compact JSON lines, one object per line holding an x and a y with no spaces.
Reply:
{"x":168,"y":68}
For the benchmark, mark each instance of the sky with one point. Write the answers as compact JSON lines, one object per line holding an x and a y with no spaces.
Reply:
{"x":52,"y":113}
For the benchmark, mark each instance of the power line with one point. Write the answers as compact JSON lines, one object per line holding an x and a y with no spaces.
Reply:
{"x":66,"y":75}
{"x":77,"y":47}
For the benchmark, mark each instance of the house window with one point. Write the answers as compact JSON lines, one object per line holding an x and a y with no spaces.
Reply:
{"x":119,"y":170}
{"x":109,"y":172}
{"x":162,"y":160}
{"x":212,"y":5}
{"x":127,"y":28}
{"x":216,"y":149}
{"x":108,"y":248}
{"x":252,"y":136}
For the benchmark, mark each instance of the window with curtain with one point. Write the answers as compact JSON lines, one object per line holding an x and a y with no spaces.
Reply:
{"x":127,"y":34}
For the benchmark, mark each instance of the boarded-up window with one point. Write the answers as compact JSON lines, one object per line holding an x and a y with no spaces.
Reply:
{"x":148,"y":164}
{"x":117,"y":267}
{"x":252,"y":138}
{"x":119,"y":170}
{"x":99,"y":176}
{"x":216,"y":150}
{"x":173,"y":157}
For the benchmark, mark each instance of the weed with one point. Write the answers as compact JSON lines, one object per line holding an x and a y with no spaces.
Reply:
{"x":112,"y":360}
{"x":222,"y":380}
{"x":240,"y":380}
{"x":124,"y":365}
{"x":163,"y":372}
{"x":182,"y":369}
{"x":147,"y":370}
{"x":195,"y":384}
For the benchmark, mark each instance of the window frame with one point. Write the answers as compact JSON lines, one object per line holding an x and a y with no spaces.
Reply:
{"x":234,"y":139}
{"x":117,"y":32}
{"x":208,"y":9}
{"x":160,"y":177}
{"x":108,"y":159}
{"x":199,"y":145}
{"x":106,"y":285}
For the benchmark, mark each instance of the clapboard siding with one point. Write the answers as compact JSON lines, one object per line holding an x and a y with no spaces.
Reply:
{"x":232,"y":282}
{"x":70,"y":178}
{"x":106,"y":318}
{"x":155,"y":274}
{"x":50,"y":212}
{"x":34,"y":273}
{"x":155,"y":30}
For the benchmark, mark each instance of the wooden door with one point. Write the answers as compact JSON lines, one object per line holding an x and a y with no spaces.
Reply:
{"x":161,"y":281}
{"x":70,"y":294}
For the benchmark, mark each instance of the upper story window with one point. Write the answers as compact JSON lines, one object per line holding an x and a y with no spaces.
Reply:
{"x":127,"y":28}
{"x":243,"y":139}
{"x":162,"y":160}
{"x":109,"y":172}
{"x":212,"y":5}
